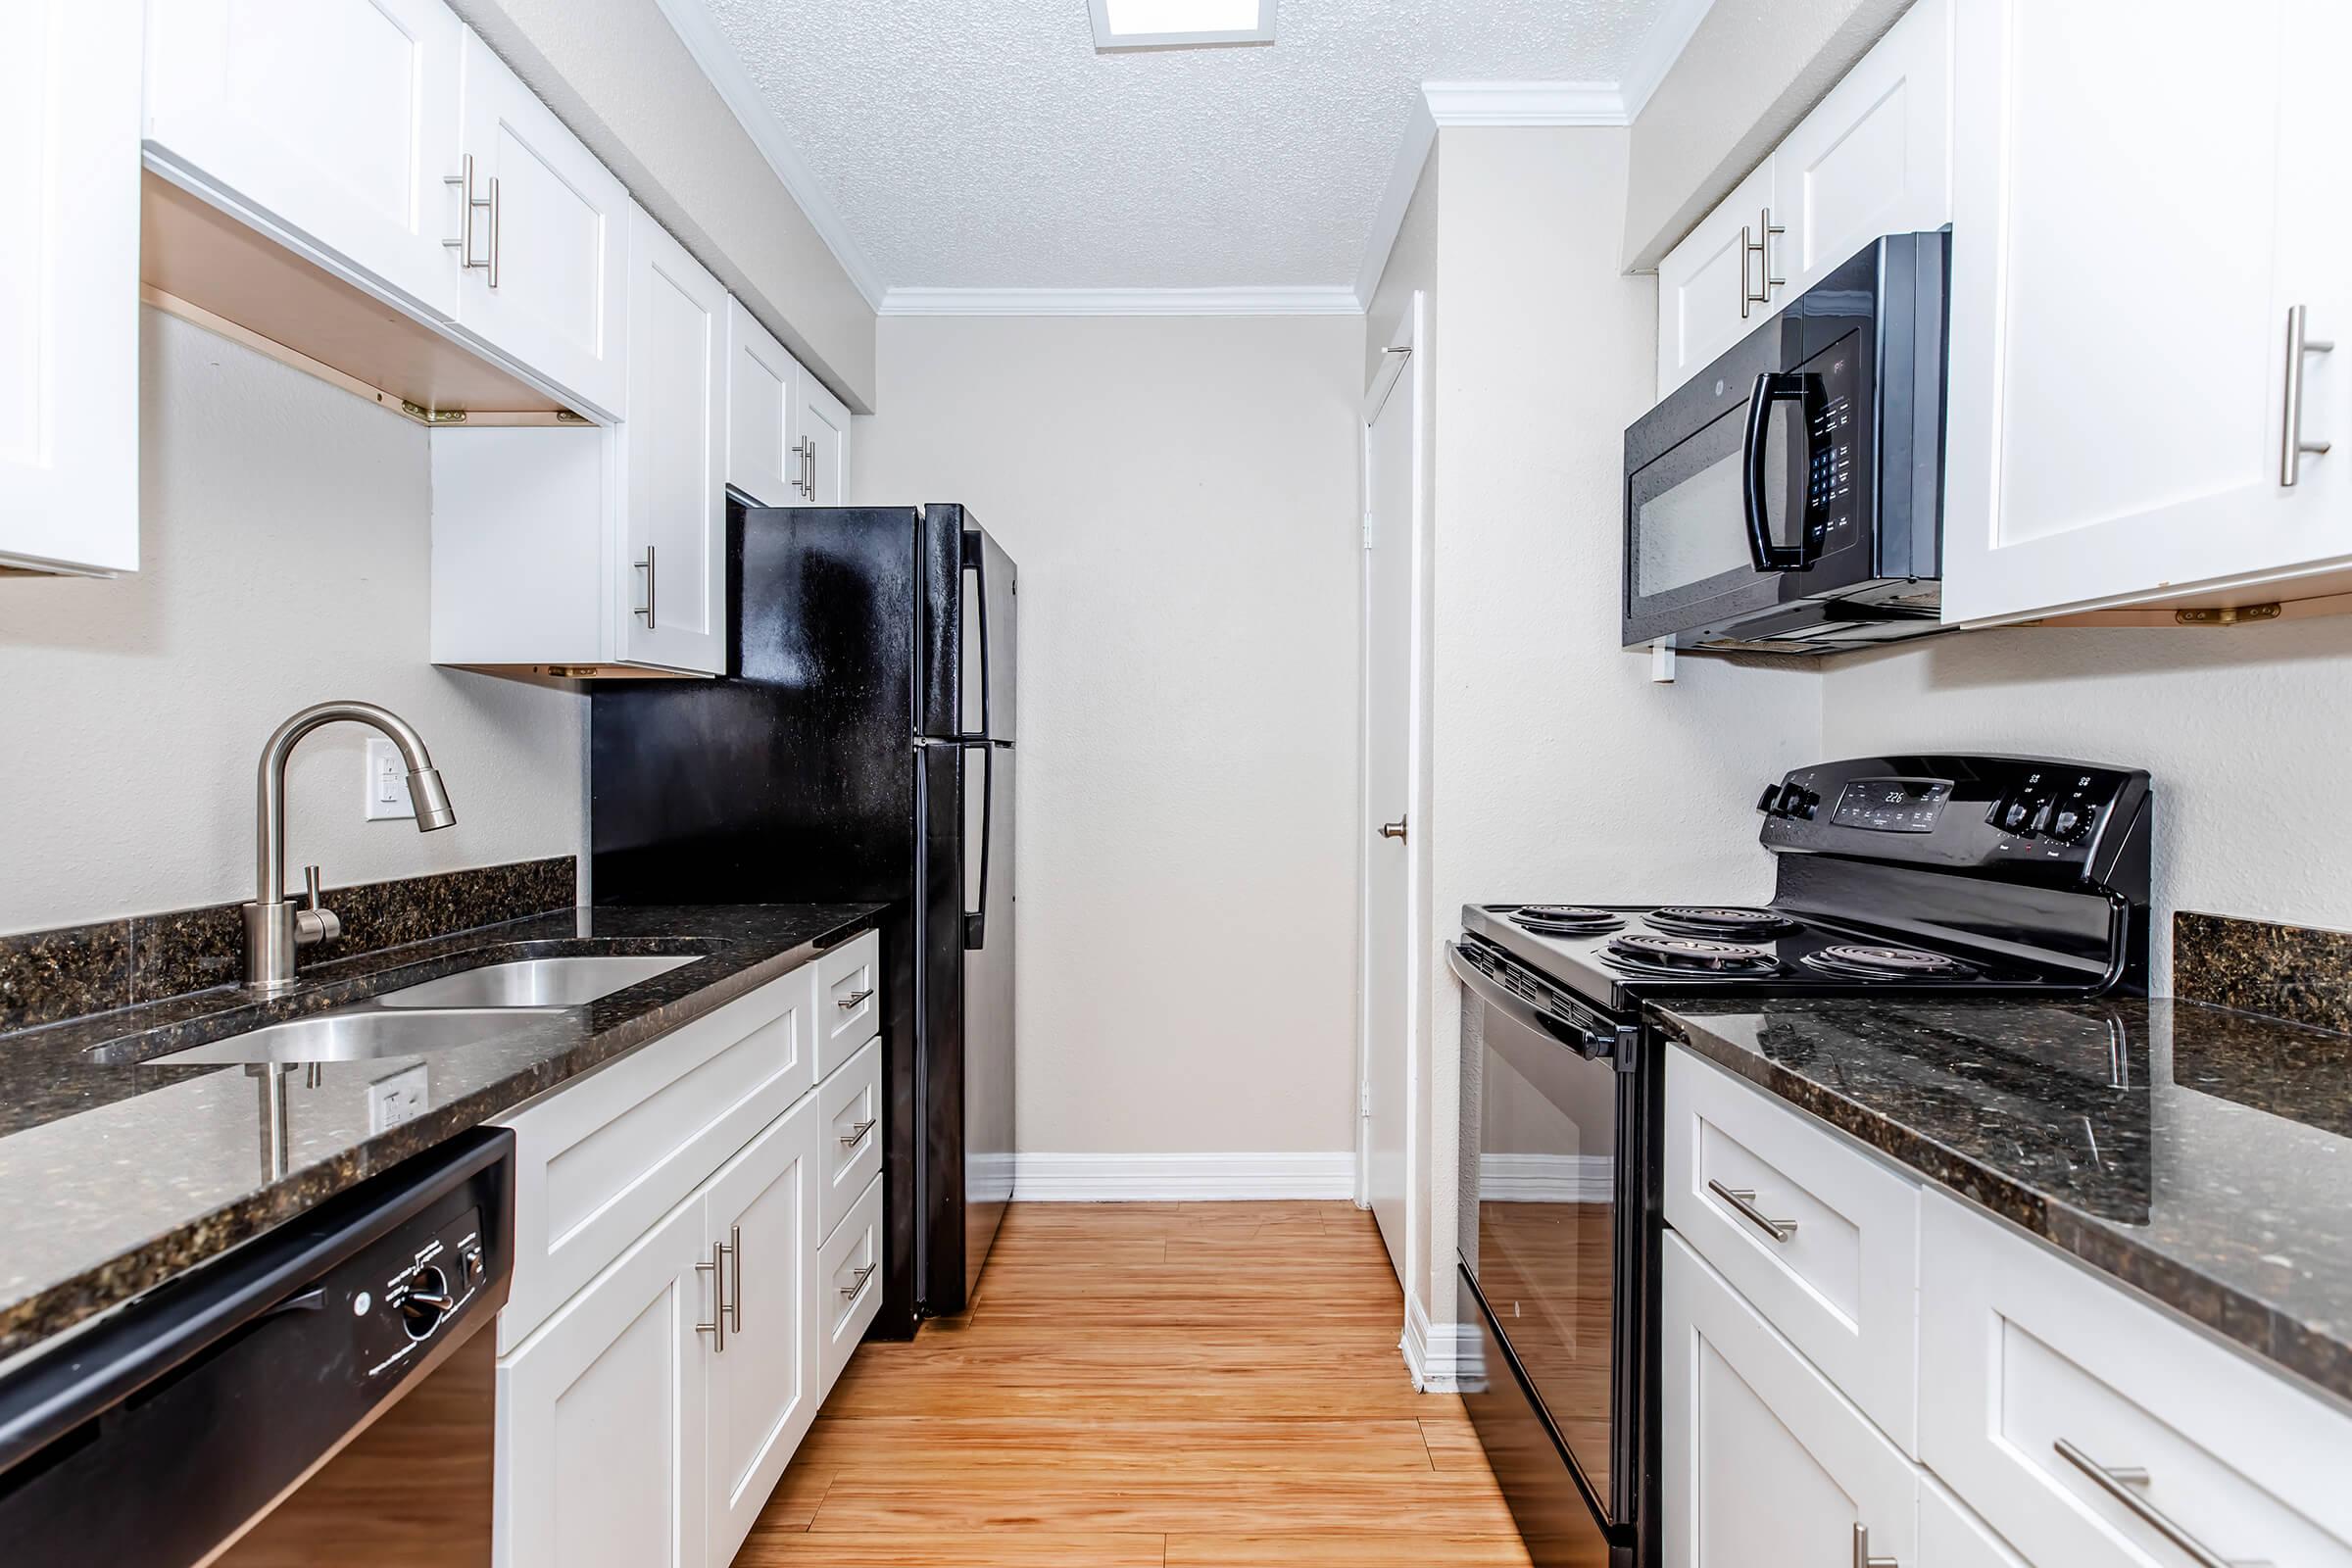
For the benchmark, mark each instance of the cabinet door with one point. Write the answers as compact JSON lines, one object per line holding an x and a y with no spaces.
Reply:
{"x":1950,"y":1537}
{"x":1765,"y":1464}
{"x":1874,"y":157}
{"x":2122,"y":277}
{"x":68,"y":285}
{"x":601,"y":1418}
{"x":674,"y":503}
{"x":824,"y":432}
{"x":763,"y":1391}
{"x":760,"y":398}
{"x":1706,"y":284}
{"x":333,"y":122}
{"x":544,"y":284}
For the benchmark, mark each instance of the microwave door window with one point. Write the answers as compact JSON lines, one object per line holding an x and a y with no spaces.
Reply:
{"x":1689,"y":522}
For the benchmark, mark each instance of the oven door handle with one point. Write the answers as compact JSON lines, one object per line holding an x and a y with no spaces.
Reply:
{"x":1778,"y":386}
{"x":1591,"y":1044}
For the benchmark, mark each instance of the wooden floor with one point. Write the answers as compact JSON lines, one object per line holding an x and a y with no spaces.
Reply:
{"x":1146,"y":1386}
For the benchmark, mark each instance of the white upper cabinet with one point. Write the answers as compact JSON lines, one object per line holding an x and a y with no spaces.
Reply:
{"x":330,"y":123}
{"x":761,"y":459}
{"x":68,"y":285}
{"x":543,"y":240}
{"x":824,"y":440}
{"x":2145,"y":204}
{"x":1873,"y":157}
{"x":673,"y":453}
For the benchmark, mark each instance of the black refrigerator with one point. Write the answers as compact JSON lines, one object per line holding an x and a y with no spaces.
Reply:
{"x":859,"y":747}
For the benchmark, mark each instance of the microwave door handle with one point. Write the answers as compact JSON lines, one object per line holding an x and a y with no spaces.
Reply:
{"x":1773,"y":386}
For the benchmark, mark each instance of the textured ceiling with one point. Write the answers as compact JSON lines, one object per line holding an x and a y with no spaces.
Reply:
{"x":985,"y":144}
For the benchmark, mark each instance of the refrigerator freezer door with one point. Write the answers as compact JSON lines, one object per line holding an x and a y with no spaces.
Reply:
{"x":989,"y":795}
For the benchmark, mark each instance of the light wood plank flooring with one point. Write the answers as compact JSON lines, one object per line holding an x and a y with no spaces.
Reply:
{"x":1148,"y":1386}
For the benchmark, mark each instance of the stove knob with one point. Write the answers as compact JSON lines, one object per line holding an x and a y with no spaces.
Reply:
{"x":2070,"y":824}
{"x":2016,"y":814}
{"x":1769,"y":799}
{"x":426,"y":1301}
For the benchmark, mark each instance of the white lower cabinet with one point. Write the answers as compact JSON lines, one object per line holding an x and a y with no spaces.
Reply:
{"x":645,"y":1421}
{"x":601,"y":1418}
{"x":1765,"y":1464}
{"x":762,"y":1210}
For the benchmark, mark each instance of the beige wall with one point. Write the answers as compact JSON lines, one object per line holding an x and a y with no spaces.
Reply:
{"x":616,"y":71}
{"x":1559,"y":769}
{"x":285,"y":535}
{"x":1180,"y":495}
{"x":2242,"y":729}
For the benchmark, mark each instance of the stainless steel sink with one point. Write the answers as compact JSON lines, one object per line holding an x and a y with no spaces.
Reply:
{"x":361,"y":1034}
{"x":534,"y":982}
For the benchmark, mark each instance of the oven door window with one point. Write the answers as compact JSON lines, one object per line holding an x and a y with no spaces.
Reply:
{"x":1547,"y":1249}
{"x":1689,"y":528}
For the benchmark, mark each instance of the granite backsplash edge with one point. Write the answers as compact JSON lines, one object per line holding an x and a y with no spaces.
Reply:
{"x":2302,"y":974}
{"x":74,"y":972}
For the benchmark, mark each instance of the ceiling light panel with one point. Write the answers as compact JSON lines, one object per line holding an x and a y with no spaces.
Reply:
{"x":1178,"y":24}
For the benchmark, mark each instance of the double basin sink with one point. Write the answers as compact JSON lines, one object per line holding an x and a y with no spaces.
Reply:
{"x":468,"y":1008}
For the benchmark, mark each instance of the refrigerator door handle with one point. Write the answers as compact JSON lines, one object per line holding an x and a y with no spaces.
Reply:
{"x":975,"y":562}
{"x":975,"y":921}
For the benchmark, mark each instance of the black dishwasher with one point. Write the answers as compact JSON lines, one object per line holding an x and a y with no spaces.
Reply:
{"x":323,"y":1393}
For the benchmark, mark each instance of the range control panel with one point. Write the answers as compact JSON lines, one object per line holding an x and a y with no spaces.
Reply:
{"x":2010,"y":817}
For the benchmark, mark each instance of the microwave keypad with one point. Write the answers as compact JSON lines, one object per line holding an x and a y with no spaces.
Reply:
{"x":1829,"y":476}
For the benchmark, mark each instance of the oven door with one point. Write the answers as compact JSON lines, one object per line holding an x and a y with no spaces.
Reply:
{"x":1554,"y":1155}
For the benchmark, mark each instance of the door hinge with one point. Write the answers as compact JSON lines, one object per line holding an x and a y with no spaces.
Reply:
{"x":1367,"y":527}
{"x":1363,"y":1100}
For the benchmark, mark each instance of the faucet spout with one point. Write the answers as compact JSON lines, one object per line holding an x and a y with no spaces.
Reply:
{"x":271,"y":931}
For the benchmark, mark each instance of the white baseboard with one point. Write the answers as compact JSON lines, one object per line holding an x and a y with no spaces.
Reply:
{"x":1181,"y":1178}
{"x":1436,"y":1353}
{"x":1546,"y":1178}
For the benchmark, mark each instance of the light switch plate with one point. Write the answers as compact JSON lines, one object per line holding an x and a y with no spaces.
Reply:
{"x":386,"y":793}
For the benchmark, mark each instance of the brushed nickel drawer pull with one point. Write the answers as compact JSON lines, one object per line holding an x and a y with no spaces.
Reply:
{"x":855,"y":999}
{"x":716,"y":1268}
{"x":1862,"y":1557}
{"x":858,"y":1132}
{"x":2118,"y":1482}
{"x":1744,"y":1205}
{"x":849,"y":1293}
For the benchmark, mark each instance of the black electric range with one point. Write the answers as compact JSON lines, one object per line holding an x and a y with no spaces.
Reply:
{"x":1905,"y":876}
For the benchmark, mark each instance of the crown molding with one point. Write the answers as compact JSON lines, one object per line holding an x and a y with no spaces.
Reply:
{"x":698,"y":29}
{"x":1524,"y":103}
{"x":1670,"y":34}
{"x":1333,"y":300}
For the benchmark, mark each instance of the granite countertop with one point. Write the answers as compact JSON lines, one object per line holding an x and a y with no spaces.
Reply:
{"x":117,"y":1172}
{"x":2201,"y":1154}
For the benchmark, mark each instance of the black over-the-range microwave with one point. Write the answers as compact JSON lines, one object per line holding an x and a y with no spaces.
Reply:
{"x":1788,"y":499}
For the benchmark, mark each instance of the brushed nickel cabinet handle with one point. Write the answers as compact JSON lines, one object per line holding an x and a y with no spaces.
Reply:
{"x":2119,"y":1483}
{"x":1766,"y":280}
{"x":494,"y":236}
{"x":853,"y":1001}
{"x":2291,"y":445}
{"x":849,"y":1293}
{"x":857,"y":1133}
{"x":647,"y":567}
{"x":1743,"y":1203}
{"x":1748,"y":248}
{"x":468,"y":205}
{"x":1862,"y":1557}
{"x":735,"y":1257}
{"x":716,"y":1268}
{"x":1396,"y":829}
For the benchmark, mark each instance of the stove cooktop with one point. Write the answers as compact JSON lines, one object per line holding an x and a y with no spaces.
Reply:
{"x":1617,"y":956}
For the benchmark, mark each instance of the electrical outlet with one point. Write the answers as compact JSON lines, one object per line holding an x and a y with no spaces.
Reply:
{"x":387,"y":784}
{"x":400,"y":1097}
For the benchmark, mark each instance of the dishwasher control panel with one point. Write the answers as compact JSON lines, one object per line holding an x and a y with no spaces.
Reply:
{"x":407,"y":1291}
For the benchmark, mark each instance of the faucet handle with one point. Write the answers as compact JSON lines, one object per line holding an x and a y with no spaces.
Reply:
{"x":316,"y":923}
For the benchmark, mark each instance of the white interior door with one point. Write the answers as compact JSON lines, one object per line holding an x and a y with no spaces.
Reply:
{"x":1391,"y":495}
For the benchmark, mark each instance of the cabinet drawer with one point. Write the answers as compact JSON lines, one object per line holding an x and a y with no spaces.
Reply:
{"x":1758,"y":1450}
{"x":603,"y":1157}
{"x":1842,"y":1283}
{"x":850,"y":1131}
{"x":849,"y":991}
{"x":2024,"y":1351}
{"x":849,"y":1282}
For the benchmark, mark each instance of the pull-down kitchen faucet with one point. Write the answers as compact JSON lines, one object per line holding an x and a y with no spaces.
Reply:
{"x":274,"y":928}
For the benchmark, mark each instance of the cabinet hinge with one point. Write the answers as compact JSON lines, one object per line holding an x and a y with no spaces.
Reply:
{"x":1363,"y":1100}
{"x":566,"y":416}
{"x":2229,"y":615}
{"x":1367,"y":527}
{"x":417,"y":410}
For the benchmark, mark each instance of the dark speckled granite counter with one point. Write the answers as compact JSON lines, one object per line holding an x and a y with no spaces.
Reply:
{"x":2200,"y":1154}
{"x":117,"y":1172}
